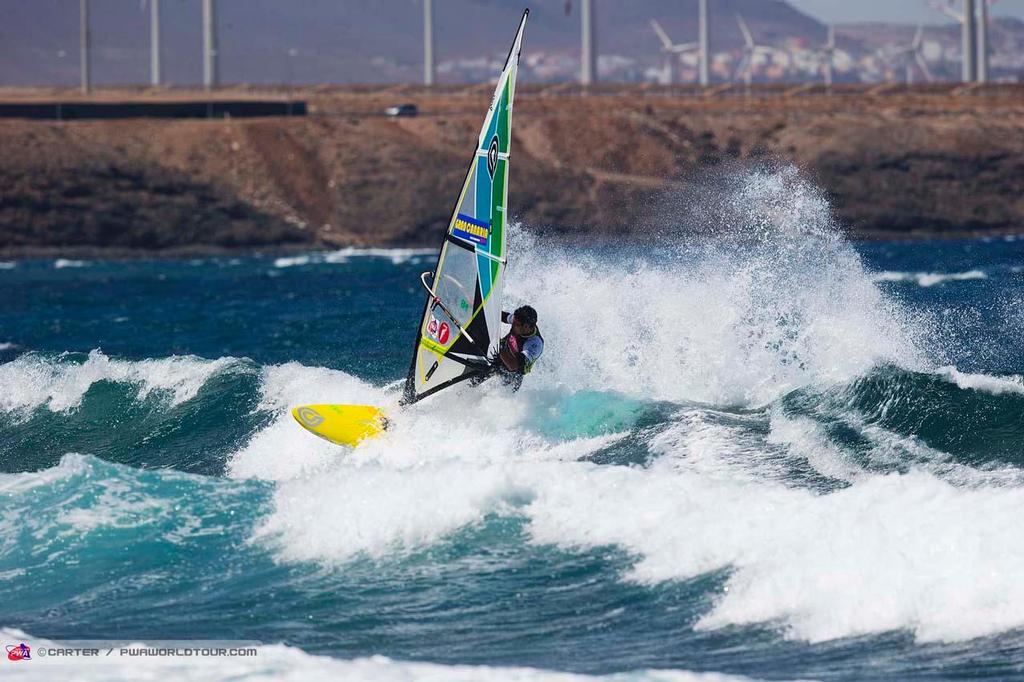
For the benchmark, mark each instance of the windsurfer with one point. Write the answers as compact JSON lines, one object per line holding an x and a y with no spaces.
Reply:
{"x":520,"y":349}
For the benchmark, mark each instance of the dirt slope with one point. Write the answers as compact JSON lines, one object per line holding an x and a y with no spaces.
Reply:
{"x":904,"y":163}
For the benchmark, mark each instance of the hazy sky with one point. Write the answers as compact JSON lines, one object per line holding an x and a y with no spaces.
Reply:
{"x":907,"y":11}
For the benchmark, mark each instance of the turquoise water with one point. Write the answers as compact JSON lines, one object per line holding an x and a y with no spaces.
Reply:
{"x":781,"y":457}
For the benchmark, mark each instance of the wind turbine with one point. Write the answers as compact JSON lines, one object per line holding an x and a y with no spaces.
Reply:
{"x":588,"y":55}
{"x":750,"y":51}
{"x":911,"y":54}
{"x":826,"y":53}
{"x":155,"y":72}
{"x":83,"y":46}
{"x":210,"y":56}
{"x":673,"y":52}
{"x":973,"y":37}
{"x":982,"y":63}
{"x":703,"y":41}
{"x":429,"y":72}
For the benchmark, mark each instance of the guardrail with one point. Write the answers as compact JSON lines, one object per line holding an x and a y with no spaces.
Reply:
{"x":77,"y":111}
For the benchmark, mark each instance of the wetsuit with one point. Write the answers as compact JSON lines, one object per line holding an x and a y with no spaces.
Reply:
{"x":530,"y":349}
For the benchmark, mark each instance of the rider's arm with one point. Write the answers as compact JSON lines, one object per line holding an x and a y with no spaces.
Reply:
{"x":530,"y":350}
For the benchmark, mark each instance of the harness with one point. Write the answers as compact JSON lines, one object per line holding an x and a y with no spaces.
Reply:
{"x":527,"y":366}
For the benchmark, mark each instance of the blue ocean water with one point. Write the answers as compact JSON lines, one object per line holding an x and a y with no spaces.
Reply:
{"x":780,"y":455}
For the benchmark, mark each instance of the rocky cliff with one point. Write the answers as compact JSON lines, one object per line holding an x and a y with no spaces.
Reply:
{"x":900,"y":163}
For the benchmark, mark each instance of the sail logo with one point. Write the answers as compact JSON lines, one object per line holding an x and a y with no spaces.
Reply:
{"x":19,"y":652}
{"x":471,"y":229}
{"x":492,"y":156}
{"x":440,"y":331}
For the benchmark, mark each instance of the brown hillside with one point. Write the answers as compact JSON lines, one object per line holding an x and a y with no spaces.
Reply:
{"x":894,"y":163}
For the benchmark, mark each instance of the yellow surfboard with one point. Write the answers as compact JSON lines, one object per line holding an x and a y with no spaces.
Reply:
{"x":341,"y":424}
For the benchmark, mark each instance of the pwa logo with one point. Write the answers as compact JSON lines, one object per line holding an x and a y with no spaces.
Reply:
{"x":19,"y":652}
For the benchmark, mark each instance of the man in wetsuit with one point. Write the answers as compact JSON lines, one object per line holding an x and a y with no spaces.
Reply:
{"x":520,"y":348}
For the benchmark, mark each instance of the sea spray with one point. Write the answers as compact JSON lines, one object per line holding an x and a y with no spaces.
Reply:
{"x":773,"y":300}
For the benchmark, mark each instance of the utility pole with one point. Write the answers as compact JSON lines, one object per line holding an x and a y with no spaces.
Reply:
{"x":982,"y":41}
{"x":154,"y":43}
{"x":702,"y":39}
{"x":209,"y":45}
{"x":428,"y":42}
{"x":968,"y":48}
{"x":588,"y":64}
{"x":83,"y":45}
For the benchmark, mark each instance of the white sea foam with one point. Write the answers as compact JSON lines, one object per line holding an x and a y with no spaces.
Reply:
{"x":374,"y":510}
{"x":983,"y":382}
{"x":118,"y":505}
{"x":7,"y":265}
{"x":71,"y":464}
{"x":891,"y":552}
{"x":68,"y":263}
{"x":695,"y":442}
{"x":802,"y":437}
{"x":280,"y":662}
{"x":8,"y":346}
{"x":422,"y":479}
{"x":60,"y":383}
{"x":396,"y":256}
{"x":929,"y":279}
{"x":291,"y":261}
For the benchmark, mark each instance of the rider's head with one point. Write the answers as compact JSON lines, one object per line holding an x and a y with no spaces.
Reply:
{"x":524,"y":321}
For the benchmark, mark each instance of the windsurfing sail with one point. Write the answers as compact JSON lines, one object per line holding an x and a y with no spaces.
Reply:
{"x":460,"y":327}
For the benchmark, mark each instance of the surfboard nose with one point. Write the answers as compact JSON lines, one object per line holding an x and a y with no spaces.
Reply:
{"x":341,"y":424}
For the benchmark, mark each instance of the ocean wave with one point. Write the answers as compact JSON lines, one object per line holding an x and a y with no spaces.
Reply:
{"x":967,"y":424}
{"x":884,"y":552}
{"x":995,"y":385}
{"x":88,"y":510}
{"x":33,"y":380}
{"x":793,"y":556}
{"x":281,"y":662}
{"x":396,"y":256}
{"x":804,"y":438}
{"x":7,"y":265}
{"x":61,"y":263}
{"x":70,"y":465}
{"x":805,"y":560}
{"x":291,"y":261}
{"x":930,"y":279}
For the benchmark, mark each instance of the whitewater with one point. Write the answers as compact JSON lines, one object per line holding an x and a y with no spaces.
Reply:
{"x":752,"y":450}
